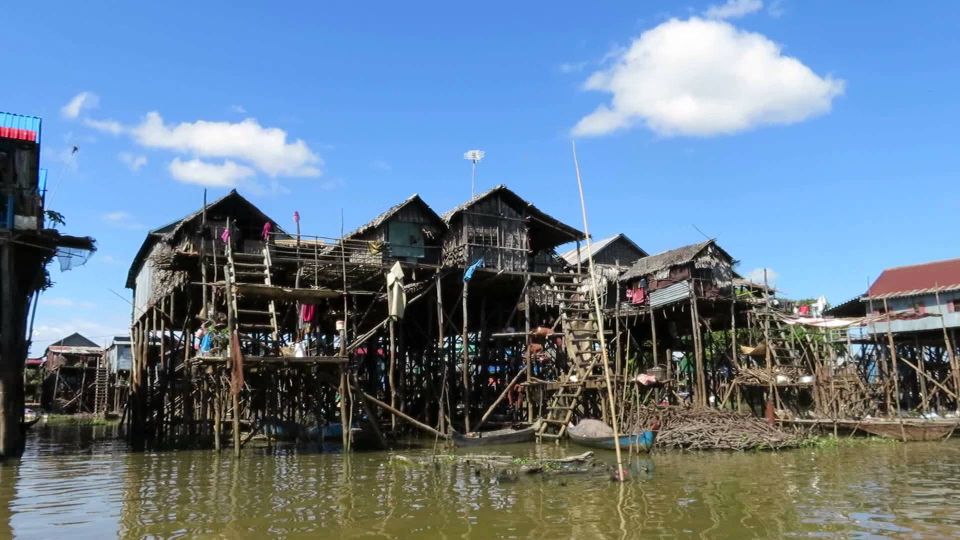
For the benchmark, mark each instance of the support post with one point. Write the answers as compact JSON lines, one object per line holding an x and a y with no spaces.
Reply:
{"x":391,"y":374}
{"x":526,"y":324}
{"x":466,"y":363}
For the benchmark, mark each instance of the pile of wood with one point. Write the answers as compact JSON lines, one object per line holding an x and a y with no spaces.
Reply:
{"x":710,"y":429}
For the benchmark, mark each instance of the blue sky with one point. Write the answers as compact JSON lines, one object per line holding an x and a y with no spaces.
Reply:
{"x":812,"y":138}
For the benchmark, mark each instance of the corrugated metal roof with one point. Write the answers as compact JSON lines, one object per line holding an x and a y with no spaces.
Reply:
{"x":917,"y":279}
{"x":20,"y":127}
{"x":596,"y":247}
{"x":74,"y":350}
{"x":668,"y":295}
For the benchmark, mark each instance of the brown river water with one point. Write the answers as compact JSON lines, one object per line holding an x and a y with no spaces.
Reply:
{"x":78,"y":482}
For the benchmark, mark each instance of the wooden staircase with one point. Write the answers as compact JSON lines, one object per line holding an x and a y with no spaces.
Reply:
{"x":101,"y":388}
{"x":582,"y":340}
{"x":252,"y":317}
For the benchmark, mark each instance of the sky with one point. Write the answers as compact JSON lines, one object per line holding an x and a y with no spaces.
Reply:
{"x":814,"y":139}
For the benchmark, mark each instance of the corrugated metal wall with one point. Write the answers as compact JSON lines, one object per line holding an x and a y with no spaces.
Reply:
{"x":668,"y":295}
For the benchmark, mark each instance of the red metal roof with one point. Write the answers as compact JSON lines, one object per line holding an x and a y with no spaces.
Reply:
{"x":917,"y":279}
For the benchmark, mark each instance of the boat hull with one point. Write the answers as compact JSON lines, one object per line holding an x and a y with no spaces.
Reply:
{"x":500,"y":436}
{"x":638,"y":441}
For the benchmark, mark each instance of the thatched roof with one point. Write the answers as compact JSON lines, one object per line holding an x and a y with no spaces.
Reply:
{"x":232,"y":201}
{"x":668,"y":259}
{"x":554,"y":231}
{"x":414,"y":199}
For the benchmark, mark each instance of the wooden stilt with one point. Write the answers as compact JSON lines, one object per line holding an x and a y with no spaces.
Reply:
{"x":466,"y":362}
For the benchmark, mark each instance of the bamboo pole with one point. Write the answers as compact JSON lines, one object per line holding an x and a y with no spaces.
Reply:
{"x":621,"y":473}
{"x":399,"y":414}
{"x":895,"y":372}
{"x":466,"y":363}
{"x":441,"y":350}
{"x":526,"y":353}
{"x":948,"y":343}
{"x":496,"y":402}
{"x":391,"y":374}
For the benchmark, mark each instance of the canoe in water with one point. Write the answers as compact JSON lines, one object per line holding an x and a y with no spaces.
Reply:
{"x":30,"y":417}
{"x":639,"y":441}
{"x":500,"y":436}
{"x":596,"y":434}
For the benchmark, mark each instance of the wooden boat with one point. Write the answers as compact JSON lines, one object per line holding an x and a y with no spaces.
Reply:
{"x":30,"y":417}
{"x":499,"y":436}
{"x":638,"y":441}
{"x":907,"y":429}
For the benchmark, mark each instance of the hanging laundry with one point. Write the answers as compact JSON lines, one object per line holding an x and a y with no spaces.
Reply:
{"x":468,"y":273}
{"x":637,"y":296}
{"x":225,"y":236}
{"x":396,"y":296}
{"x":307,"y":313}
{"x":267,"y":229}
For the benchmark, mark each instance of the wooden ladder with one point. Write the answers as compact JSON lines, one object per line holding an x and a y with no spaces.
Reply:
{"x":101,"y":389}
{"x":582,"y":341}
{"x":250,"y":268}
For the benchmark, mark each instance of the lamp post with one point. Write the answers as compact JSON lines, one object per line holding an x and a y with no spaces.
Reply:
{"x":474,"y":156}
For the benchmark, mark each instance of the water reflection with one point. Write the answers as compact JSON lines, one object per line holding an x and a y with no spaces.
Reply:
{"x":79,"y":482}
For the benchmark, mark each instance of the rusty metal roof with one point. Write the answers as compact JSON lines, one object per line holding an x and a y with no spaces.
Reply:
{"x":18,"y":126}
{"x":917,"y":279}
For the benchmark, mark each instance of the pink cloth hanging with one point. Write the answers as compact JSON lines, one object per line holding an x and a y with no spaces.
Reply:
{"x":307,"y":312}
{"x":267,"y":229}
{"x":225,"y":236}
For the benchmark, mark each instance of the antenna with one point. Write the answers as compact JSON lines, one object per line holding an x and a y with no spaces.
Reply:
{"x":474,"y":156}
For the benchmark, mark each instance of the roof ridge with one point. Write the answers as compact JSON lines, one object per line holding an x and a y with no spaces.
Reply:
{"x":928,"y":263}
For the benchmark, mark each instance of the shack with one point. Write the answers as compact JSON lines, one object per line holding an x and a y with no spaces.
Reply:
{"x":75,"y":377}
{"x":27,"y":244}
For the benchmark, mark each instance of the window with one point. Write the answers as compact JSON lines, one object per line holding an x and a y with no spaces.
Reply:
{"x":406,"y":239}
{"x":484,"y":236}
{"x":954,"y":305}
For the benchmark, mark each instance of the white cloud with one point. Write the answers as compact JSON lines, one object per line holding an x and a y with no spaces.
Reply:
{"x":195,"y":171}
{"x":702,"y":77}
{"x":238,"y":109}
{"x":107,"y":126}
{"x":332,"y":184}
{"x":733,"y":9}
{"x":776,"y":8}
{"x":382,"y":165}
{"x":122,"y":219}
{"x":265,"y":148}
{"x":79,"y":102}
{"x":756,"y":276}
{"x":134,"y":162}
{"x":572,"y":67}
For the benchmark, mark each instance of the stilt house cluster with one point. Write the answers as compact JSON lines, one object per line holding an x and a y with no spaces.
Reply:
{"x":457,"y":323}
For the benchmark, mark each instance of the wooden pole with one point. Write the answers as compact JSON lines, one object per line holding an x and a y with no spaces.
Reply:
{"x":11,"y":359}
{"x":466,"y":363}
{"x":496,"y":402}
{"x":526,"y":324}
{"x":391,"y":374}
{"x":621,"y":473}
{"x":895,"y":372}
{"x":399,"y":414}
{"x":618,"y":356}
{"x":951,"y":353}
{"x":441,"y":350}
